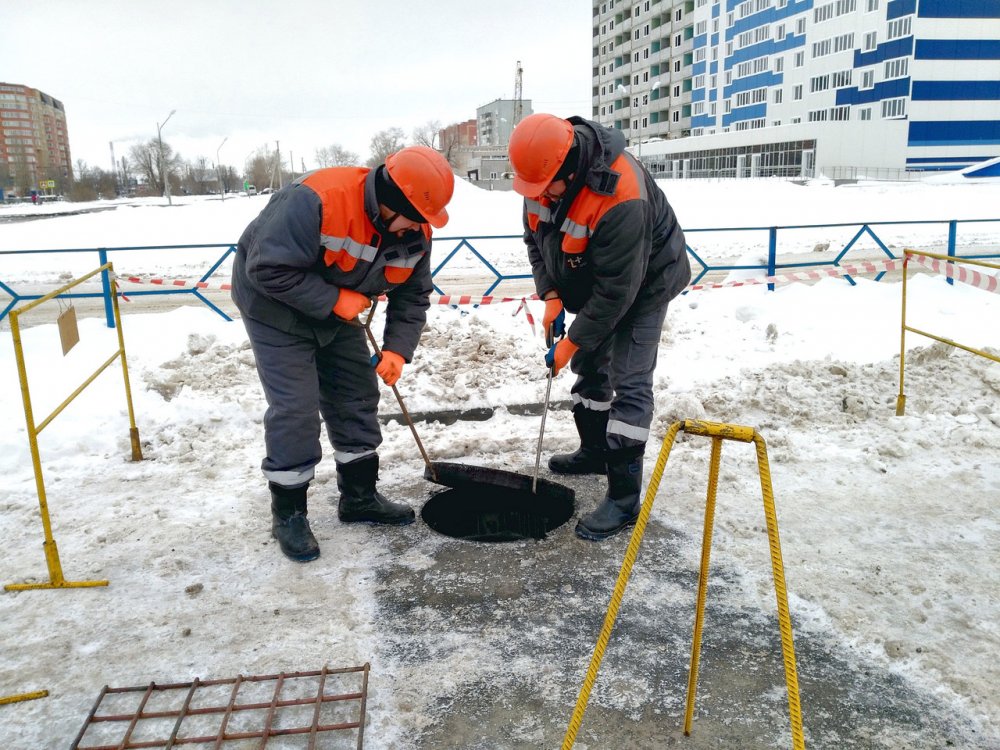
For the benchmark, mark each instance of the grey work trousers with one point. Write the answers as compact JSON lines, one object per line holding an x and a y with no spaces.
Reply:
{"x":304,"y":380}
{"x":618,"y":377}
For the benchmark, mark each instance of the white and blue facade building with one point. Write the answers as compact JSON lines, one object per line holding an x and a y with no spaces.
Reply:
{"x":800,"y":87}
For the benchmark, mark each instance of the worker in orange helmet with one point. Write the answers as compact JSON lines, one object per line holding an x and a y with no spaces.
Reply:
{"x":305,"y":269}
{"x":604,"y":244}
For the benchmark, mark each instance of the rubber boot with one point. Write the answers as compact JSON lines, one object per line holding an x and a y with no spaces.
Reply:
{"x":289,"y":524}
{"x":589,"y":458}
{"x":620,"y":507}
{"x":361,"y":502}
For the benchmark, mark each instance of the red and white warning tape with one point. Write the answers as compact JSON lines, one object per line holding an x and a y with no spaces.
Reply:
{"x":959,"y":272}
{"x":952,"y":270}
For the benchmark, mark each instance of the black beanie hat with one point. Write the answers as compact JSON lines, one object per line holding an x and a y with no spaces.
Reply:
{"x":570,"y":163}
{"x":390,"y":196}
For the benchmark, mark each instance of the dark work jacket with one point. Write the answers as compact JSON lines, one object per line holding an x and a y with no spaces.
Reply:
{"x":611,"y":247}
{"x":322,"y":233}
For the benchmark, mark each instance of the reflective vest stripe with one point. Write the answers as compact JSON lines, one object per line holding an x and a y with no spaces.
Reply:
{"x":355,"y":249}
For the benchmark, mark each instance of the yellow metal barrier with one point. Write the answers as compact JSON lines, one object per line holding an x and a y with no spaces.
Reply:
{"x":56,"y":579}
{"x":718,"y":432}
{"x":901,"y":398}
{"x":23,"y":697}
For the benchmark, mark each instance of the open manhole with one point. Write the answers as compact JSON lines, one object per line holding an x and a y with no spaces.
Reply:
{"x":492,"y":505}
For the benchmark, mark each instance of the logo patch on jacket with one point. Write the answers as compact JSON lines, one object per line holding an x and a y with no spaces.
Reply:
{"x":574,"y":262}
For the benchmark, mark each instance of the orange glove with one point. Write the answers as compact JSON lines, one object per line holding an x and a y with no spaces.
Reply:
{"x":559,"y":355}
{"x":553,"y":308}
{"x":390,"y":367}
{"x":350,"y":304}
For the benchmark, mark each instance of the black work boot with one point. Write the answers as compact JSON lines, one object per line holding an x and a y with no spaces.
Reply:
{"x":589,"y":459}
{"x":360,"y":501}
{"x":289,"y":524}
{"x":620,"y":507}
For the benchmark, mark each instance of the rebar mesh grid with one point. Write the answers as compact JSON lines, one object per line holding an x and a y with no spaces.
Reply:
{"x":232,"y":714}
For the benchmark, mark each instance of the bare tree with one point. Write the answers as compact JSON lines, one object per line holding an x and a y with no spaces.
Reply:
{"x":450,"y":143}
{"x":385,"y":142}
{"x":427,"y":134}
{"x":336,"y":155}
{"x":145,"y":158}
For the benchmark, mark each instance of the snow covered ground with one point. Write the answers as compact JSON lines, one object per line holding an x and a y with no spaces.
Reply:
{"x":889,"y":525}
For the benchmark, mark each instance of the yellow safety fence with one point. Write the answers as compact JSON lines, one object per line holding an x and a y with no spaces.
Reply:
{"x":56,"y":579}
{"x":718,"y":432}
{"x":901,"y":398}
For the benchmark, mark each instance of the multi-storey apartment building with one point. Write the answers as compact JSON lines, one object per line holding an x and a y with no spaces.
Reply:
{"x":34,"y":143}
{"x":760,"y":87}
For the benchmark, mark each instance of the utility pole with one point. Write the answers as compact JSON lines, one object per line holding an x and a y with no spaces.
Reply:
{"x":163,"y":175}
{"x":114,"y":167}
{"x":218,"y":168}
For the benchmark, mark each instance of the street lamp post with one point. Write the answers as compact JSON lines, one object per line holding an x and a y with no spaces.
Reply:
{"x":159,"y":139}
{"x":218,"y":168}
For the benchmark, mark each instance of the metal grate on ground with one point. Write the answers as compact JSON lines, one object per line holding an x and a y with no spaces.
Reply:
{"x":312,"y":710}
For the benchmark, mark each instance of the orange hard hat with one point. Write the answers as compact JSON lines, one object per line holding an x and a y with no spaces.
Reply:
{"x":538,"y":147}
{"x":425,"y":178}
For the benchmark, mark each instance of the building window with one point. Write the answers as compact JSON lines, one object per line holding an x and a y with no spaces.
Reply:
{"x":779,"y":64}
{"x":676,"y":115}
{"x":841,"y":79}
{"x":897,"y":68}
{"x":871,"y":6}
{"x":800,"y":26}
{"x":777,"y":96}
{"x":800,"y":59}
{"x":892,"y":108}
{"x":841,"y":113}
{"x":865,"y":114}
{"x":871,"y":41}
{"x":899,"y":28}
{"x":868,"y":79}
{"x":818,"y":115}
{"x":797,"y":92}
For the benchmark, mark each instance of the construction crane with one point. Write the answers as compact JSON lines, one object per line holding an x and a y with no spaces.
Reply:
{"x":517,"y":95}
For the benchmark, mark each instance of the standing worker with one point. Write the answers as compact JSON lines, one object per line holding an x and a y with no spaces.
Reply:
{"x":604,"y":244}
{"x":305,"y":269}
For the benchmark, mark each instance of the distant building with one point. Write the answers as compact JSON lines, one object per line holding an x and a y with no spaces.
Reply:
{"x":458,"y":134}
{"x":34,"y":142}
{"x":496,"y":120}
{"x":799,"y":87}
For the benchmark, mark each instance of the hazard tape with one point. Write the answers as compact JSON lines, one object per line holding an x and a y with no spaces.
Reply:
{"x":958,"y":272}
{"x":975,"y":278}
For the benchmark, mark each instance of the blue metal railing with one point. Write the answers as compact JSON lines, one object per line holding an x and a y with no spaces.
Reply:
{"x":771,"y":267}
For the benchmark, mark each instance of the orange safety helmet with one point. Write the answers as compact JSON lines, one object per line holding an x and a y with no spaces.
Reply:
{"x":538,"y":147}
{"x":425,"y":178}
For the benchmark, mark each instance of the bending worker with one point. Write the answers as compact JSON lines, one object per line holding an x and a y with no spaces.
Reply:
{"x":604,"y":244}
{"x":305,"y":268}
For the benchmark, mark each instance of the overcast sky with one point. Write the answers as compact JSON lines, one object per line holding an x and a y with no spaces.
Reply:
{"x":306,"y":73}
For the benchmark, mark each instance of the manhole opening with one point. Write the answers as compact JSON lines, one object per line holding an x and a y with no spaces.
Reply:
{"x":479,"y":513}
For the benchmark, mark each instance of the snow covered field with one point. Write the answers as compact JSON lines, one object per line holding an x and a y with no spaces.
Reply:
{"x":889,"y":525}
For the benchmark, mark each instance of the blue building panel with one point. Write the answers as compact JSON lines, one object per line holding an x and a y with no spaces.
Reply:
{"x":954,"y":133}
{"x":699,"y":41}
{"x":713,"y":95}
{"x":702,"y":121}
{"x":959,"y":9}
{"x":884,"y":90}
{"x":715,"y":38}
{"x":957,"y":49}
{"x":698,"y":68}
{"x":899,"y":8}
{"x":946,"y":159}
{"x":770,"y":47}
{"x":887,"y":51}
{"x":713,"y":67}
{"x":767,"y":78}
{"x":753,"y":112}
{"x":956,"y":91}
{"x":771,"y":15}
{"x":698,"y":95}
